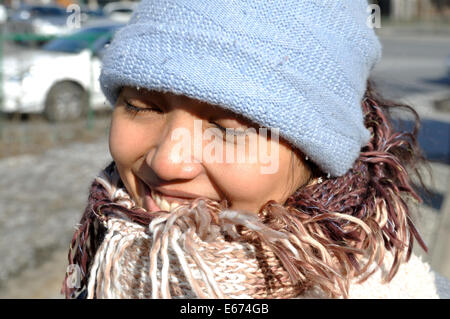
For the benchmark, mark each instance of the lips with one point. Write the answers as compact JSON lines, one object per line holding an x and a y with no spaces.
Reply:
{"x":149,"y":203}
{"x":156,"y":201}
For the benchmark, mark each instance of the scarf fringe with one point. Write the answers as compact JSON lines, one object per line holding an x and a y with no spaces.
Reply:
{"x":302,"y":242}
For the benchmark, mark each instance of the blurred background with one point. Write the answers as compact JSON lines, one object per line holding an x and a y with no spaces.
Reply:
{"x":54,"y":124}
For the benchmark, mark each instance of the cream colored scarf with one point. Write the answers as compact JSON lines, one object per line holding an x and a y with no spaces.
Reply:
{"x":205,"y":250}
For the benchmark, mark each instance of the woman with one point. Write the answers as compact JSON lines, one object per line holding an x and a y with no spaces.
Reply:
{"x":252,"y":159}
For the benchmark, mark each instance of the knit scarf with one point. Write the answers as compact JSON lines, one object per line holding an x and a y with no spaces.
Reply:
{"x":205,"y":250}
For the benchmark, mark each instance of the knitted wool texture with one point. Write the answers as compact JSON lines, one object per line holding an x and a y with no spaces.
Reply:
{"x":297,"y":65}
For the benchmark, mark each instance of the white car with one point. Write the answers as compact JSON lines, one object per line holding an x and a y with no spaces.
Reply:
{"x":61,"y":79}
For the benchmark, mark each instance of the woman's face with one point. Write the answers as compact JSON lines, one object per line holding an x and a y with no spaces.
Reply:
{"x":178,"y":147}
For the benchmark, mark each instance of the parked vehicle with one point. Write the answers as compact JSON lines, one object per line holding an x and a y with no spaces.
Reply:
{"x":61,"y":79}
{"x":39,"y":24}
{"x":119,"y":11}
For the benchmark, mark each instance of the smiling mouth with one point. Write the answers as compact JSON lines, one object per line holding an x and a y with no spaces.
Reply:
{"x":156,"y":201}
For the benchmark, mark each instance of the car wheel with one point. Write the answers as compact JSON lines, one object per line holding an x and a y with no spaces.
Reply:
{"x":66,"y":101}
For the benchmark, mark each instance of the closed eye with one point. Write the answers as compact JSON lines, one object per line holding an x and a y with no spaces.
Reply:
{"x":133,"y":109}
{"x":230,"y":130}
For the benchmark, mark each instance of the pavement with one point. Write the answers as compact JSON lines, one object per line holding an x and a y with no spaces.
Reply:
{"x":42,"y":197}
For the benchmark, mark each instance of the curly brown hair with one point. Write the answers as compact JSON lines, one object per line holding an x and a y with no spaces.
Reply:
{"x":364,"y":212}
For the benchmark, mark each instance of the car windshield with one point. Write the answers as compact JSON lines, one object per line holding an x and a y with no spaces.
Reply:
{"x":76,"y":42}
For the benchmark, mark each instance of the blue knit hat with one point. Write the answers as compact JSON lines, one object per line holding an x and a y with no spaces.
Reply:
{"x":297,"y":65}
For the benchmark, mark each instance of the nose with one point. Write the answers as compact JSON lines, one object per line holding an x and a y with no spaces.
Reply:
{"x":173,"y":157}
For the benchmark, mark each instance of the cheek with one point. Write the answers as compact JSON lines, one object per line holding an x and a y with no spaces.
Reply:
{"x":125,"y":141}
{"x":239,"y":183}
{"x":247,"y":188}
